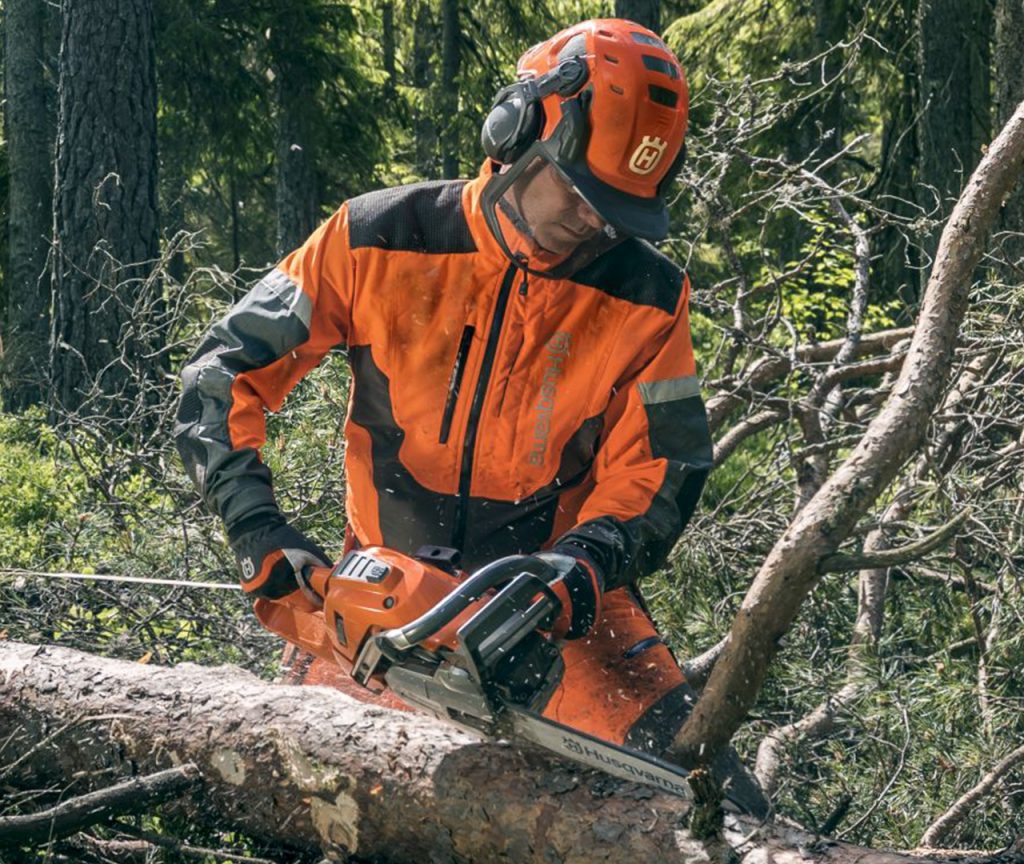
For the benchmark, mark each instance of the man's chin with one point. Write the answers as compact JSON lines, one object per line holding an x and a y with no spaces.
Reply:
{"x":558,"y":246}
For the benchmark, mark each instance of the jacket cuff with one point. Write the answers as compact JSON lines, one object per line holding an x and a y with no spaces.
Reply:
{"x":263,"y":520}
{"x":587,"y":561}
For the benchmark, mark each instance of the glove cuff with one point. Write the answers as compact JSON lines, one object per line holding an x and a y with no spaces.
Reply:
{"x":580,"y":593}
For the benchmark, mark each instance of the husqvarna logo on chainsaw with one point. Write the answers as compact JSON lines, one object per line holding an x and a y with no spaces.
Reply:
{"x":647,"y":155}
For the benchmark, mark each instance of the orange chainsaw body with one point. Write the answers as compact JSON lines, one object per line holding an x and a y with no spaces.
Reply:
{"x":370,"y":590}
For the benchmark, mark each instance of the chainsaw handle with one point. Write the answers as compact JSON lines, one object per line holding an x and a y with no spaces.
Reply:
{"x":472,"y":589}
{"x":313,"y":583}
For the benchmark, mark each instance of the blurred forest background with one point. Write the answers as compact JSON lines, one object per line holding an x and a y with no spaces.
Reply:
{"x":158,"y":157}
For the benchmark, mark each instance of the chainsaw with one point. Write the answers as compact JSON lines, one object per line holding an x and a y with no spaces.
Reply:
{"x":471,"y":650}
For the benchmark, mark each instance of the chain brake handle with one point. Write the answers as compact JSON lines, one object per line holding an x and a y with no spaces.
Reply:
{"x":498,"y":630}
{"x":526,"y":600}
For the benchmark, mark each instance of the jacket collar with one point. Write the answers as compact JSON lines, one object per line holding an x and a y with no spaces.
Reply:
{"x":472,"y":205}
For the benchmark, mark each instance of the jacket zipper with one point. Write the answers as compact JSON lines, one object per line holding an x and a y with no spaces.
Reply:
{"x":499,"y":402}
{"x":469,"y":441}
{"x":455,"y":382}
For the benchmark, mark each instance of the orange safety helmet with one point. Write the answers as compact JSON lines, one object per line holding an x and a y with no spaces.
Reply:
{"x":606,"y":102}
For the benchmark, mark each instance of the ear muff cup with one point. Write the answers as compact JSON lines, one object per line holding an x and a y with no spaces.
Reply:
{"x":512,"y":125}
{"x":516,"y":118}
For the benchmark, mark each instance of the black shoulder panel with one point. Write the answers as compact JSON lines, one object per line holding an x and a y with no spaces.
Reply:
{"x":636,"y":272}
{"x":421,"y":217}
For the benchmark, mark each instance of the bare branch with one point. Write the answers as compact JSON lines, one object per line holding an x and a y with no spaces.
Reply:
{"x":132,"y":796}
{"x":842,"y":563}
{"x":941,"y":828}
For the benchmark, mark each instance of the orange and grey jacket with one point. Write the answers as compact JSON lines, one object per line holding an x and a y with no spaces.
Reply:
{"x":490,"y":412}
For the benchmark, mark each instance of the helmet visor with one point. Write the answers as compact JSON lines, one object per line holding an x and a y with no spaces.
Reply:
{"x":541,"y":219}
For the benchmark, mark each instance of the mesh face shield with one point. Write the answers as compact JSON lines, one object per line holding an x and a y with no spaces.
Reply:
{"x":542,"y":220}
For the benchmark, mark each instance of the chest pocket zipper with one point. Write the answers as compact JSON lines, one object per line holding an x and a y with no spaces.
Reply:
{"x":455,"y":383}
{"x":500,"y":401}
{"x":520,"y":337}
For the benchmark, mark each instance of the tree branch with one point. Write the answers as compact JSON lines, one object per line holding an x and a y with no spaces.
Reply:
{"x":843,"y":563}
{"x":133,"y":796}
{"x":940,"y":829}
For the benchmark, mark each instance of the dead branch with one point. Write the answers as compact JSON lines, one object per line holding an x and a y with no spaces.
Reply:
{"x":136,"y":795}
{"x":941,"y":828}
{"x":771,"y":368}
{"x":844,"y":563}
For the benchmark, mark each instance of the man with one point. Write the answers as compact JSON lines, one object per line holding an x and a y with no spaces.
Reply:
{"x":523,"y":378}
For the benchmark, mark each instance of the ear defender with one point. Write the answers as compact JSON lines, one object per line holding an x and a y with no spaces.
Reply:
{"x":516,"y":118}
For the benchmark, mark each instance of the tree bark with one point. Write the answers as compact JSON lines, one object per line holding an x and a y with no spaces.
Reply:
{"x":295,"y":85}
{"x":448,"y":95}
{"x":790,"y":570}
{"x":387,"y":17}
{"x":28,"y":129}
{"x":1009,"y":89}
{"x":953,"y":65}
{"x":894,"y":271}
{"x":424,"y":129}
{"x":105,"y":204}
{"x":645,"y":12}
{"x":311,"y":767}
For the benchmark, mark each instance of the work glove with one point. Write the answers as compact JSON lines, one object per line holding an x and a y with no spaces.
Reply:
{"x":578,"y":585}
{"x":271,"y":555}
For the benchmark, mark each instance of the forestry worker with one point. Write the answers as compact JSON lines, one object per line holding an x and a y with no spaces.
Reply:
{"x":522,"y":374}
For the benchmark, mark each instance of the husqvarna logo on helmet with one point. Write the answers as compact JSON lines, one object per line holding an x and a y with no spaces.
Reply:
{"x":647,"y":155}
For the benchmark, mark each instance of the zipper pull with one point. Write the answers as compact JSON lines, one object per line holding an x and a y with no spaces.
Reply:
{"x":522,"y":264}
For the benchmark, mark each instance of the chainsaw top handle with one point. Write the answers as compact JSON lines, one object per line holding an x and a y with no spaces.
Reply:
{"x":472,"y":589}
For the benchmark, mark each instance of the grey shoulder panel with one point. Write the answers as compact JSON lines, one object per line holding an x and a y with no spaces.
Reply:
{"x":420,"y":217}
{"x":636,"y":272}
{"x":265,"y":325}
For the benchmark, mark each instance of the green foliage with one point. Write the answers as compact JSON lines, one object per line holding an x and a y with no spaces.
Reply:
{"x":36,"y":496}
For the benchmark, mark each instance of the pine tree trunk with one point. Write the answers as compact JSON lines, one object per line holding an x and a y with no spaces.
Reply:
{"x":105,"y":207}
{"x":28,"y":130}
{"x":296,"y":187}
{"x":448,"y":98}
{"x":646,"y":12}
{"x":387,"y":17}
{"x":296,"y":190}
{"x":894,"y":272}
{"x":424,"y":129}
{"x":313,"y":768}
{"x":953,"y":53}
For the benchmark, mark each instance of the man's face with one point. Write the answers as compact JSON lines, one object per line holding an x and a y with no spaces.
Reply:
{"x":557,"y":217}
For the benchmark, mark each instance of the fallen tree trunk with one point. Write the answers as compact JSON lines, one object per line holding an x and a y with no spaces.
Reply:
{"x":311,"y":767}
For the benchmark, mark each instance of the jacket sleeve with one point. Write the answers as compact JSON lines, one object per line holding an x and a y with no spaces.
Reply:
{"x":248,"y":362}
{"x":651,"y":464}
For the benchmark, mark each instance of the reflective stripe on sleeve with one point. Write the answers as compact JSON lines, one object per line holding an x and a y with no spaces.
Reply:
{"x":669,"y":389}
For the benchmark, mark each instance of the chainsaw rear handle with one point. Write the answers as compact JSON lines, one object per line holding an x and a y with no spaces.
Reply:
{"x":472,"y":589}
{"x":313,"y":582}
